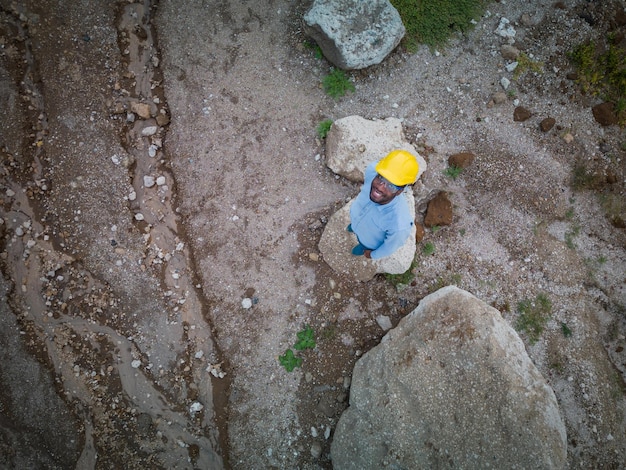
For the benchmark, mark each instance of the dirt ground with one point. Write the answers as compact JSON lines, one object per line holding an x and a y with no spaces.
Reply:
{"x":160,"y":164}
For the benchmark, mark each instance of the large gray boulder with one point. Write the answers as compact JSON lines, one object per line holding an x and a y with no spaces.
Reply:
{"x":336,"y":244}
{"x":353,"y":142}
{"x":354,"y":34}
{"x":450,"y":387}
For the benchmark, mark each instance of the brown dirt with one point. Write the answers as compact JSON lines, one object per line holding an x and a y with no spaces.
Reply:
{"x":236,"y":97}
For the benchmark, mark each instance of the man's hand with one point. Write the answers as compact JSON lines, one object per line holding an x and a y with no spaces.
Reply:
{"x":368,"y":254}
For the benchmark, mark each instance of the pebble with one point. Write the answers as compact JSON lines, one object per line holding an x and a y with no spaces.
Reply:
{"x":135,"y":364}
{"x":139,"y":216}
{"x":313,"y":431}
{"x":132,"y":196}
{"x":148,"y":181}
{"x":148,"y":131}
{"x":246,"y":303}
{"x":316,"y":450}
{"x":152,"y":151}
{"x":19,"y":231}
{"x":160,"y":181}
{"x":10,"y":193}
{"x":314,"y":256}
{"x":327,"y":433}
{"x":384,"y":322}
{"x":195,"y":407}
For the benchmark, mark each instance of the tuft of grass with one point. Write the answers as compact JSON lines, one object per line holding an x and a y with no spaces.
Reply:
{"x":428,"y":248}
{"x":433,"y":22}
{"x":614,"y":206}
{"x":525,"y":64}
{"x":453,"y":171}
{"x":565,"y":330}
{"x":323,"y":128}
{"x":533,"y":316}
{"x":582,"y":178}
{"x":601,"y":71}
{"x":317,"y":50}
{"x":336,"y":84}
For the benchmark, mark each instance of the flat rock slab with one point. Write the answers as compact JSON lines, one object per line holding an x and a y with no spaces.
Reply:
{"x":450,"y":387}
{"x":336,"y":244}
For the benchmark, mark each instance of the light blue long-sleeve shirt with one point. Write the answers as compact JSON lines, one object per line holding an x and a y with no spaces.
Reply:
{"x":382,"y":228}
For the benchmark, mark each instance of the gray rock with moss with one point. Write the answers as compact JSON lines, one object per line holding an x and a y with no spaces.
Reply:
{"x":450,"y":387}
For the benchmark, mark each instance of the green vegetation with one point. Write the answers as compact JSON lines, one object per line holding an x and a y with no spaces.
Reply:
{"x":566,"y":330}
{"x":306,"y":340}
{"x":323,"y":128}
{"x":336,"y":84}
{"x":570,"y":235}
{"x":289,"y":361}
{"x":428,"y":248}
{"x":402,"y":279}
{"x":317,"y":50}
{"x":453,"y":171}
{"x":432,"y":22}
{"x":524,"y":64}
{"x":614,"y":205}
{"x":533,"y":316}
{"x":601,"y":71}
{"x":582,"y":178}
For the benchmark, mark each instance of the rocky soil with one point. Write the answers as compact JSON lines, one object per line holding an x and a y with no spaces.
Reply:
{"x":160,"y":164}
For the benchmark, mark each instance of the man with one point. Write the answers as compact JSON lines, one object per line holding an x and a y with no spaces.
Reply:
{"x":379,"y":218}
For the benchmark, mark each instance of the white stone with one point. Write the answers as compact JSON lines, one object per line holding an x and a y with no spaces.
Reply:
{"x":135,"y":364}
{"x":148,"y":181}
{"x":246,"y":303}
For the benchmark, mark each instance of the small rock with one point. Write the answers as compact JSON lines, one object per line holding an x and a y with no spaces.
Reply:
{"x":511,"y":67}
{"x":327,"y":432}
{"x":135,"y":364}
{"x":139,"y":216}
{"x":316,"y":450}
{"x":195,"y":407}
{"x":246,"y":303}
{"x":141,"y":109}
{"x":438,"y":211}
{"x":148,"y":181}
{"x":505,"y":82}
{"x":149,"y":130}
{"x":10,"y":193}
{"x":313,"y":431}
{"x":547,"y":124}
{"x":499,"y":97}
{"x":19,"y":231}
{"x":160,"y":181}
{"x":604,"y":114}
{"x":505,"y":29}
{"x":419,"y":233}
{"x":509,"y":52}
{"x":384,"y":322}
{"x":314,"y":256}
{"x":568,"y":138}
{"x":521,"y":114}
{"x":461,"y":160}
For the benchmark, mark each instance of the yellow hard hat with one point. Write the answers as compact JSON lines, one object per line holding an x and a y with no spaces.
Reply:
{"x":398,"y":167}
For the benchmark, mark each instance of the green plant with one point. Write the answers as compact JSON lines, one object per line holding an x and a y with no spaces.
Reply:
{"x":601,"y":71}
{"x":462,"y":232}
{"x":306,"y":339}
{"x":289,"y":361}
{"x":533,"y":316}
{"x":317,"y":50}
{"x":582,"y":178}
{"x":428,"y":248}
{"x":323,"y":128}
{"x":524,"y":64}
{"x":336,"y":84}
{"x":566,"y":330}
{"x":435,"y":228}
{"x":432,"y":22}
{"x":570,"y":235}
{"x":453,"y":171}
{"x":402,"y":279}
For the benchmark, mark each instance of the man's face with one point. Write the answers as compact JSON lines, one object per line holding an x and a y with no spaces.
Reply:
{"x":381,"y":191}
